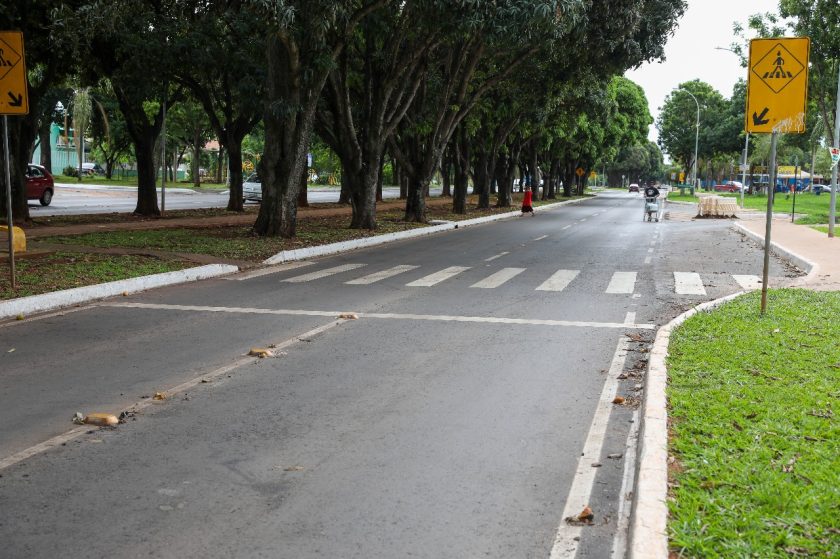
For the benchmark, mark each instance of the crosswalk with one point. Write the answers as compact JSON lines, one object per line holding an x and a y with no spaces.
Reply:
{"x":623,"y":282}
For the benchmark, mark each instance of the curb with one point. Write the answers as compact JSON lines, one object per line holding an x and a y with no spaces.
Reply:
{"x":649,"y":520}
{"x":344,"y":246}
{"x":799,"y":261}
{"x":75,"y":296}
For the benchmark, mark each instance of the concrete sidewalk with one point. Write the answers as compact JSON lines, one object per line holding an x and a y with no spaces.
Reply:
{"x":806,"y":247}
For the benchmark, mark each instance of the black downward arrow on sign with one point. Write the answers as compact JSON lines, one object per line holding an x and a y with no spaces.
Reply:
{"x":758,"y":119}
{"x":15,"y":101}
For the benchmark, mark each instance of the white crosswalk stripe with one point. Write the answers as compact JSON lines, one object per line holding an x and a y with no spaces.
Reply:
{"x":497,"y":279}
{"x":747,"y":282}
{"x":384,"y":274}
{"x":323,"y":273}
{"x":558,"y":280}
{"x":688,"y":283}
{"x":438,"y":277}
{"x":622,"y":282}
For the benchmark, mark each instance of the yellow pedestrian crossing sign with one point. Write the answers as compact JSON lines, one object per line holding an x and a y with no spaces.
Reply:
{"x":777,"y":85}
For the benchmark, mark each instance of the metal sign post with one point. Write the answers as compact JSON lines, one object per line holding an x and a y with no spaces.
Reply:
{"x":795,"y":181}
{"x":9,"y":219}
{"x":770,"y":192}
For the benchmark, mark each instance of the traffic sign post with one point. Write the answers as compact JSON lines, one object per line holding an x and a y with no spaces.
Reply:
{"x":777,"y":95}
{"x":14,"y":100}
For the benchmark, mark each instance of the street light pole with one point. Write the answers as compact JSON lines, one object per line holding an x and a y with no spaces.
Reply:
{"x":696,"y":136}
{"x":744,"y":168}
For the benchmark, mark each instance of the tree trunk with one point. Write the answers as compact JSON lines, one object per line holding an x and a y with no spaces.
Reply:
{"x":46,"y":147}
{"x":235,"y":201}
{"x":415,"y":205}
{"x":379,"y":180}
{"x":144,"y":151}
{"x":303,"y":195}
{"x":501,"y":174}
{"x":482,"y":179}
{"x":461,"y":161}
{"x":445,"y":172}
{"x":345,"y":195}
{"x":196,"y":160}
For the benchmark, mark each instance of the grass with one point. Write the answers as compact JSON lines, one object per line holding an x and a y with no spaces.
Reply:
{"x":813,"y":209}
{"x":64,"y":270}
{"x":756,"y":442}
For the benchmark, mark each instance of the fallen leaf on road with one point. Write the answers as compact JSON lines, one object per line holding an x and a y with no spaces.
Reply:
{"x":349,"y":316}
{"x":622,"y":376}
{"x":159,"y":396}
{"x":585,"y":517}
{"x":260,"y":352}
{"x":101,"y":419}
{"x":618,"y":400}
{"x":596,"y":464}
{"x":11,"y":350}
{"x":614,"y":456}
{"x":19,"y":317}
{"x":78,"y":418}
{"x":294,"y":469}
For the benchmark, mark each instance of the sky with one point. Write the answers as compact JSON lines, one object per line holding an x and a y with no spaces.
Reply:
{"x":690,"y":53}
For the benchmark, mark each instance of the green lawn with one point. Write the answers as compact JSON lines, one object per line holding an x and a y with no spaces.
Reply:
{"x":816,"y":207}
{"x":63,"y":270}
{"x":753,"y":431}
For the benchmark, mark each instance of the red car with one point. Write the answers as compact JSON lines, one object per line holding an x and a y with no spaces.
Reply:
{"x":39,"y":184}
{"x":728,"y":187}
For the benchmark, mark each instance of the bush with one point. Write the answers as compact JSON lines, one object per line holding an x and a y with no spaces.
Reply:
{"x":70,"y":171}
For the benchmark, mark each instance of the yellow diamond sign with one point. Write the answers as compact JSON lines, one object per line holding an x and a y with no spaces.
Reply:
{"x":13,"y":93}
{"x":777,"y":85}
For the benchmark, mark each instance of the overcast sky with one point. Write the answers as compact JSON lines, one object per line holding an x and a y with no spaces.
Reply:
{"x":690,"y":54}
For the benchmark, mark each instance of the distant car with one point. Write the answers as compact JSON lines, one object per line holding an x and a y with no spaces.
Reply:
{"x":92,"y":169}
{"x":820,"y":188}
{"x":252,"y":188}
{"x":728,"y":187}
{"x":633,"y":187}
{"x":39,"y":184}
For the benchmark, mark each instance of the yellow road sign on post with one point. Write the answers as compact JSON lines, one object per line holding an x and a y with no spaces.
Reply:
{"x":579,"y":171}
{"x":14,"y":99}
{"x":777,"y":85}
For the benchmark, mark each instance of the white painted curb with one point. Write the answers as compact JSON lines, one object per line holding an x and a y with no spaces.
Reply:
{"x":343,"y":246}
{"x":648,"y":525}
{"x":799,"y":261}
{"x":58,"y":299}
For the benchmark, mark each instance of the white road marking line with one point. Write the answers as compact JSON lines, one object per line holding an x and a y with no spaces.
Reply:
{"x":653,"y":243}
{"x":323,"y":273}
{"x":437,"y":277}
{"x":596,"y":213}
{"x":650,"y":251}
{"x":497,"y":256}
{"x":266,"y":271}
{"x":541,"y":238}
{"x":582,"y":220}
{"x":688,"y":283}
{"x":396,"y":316}
{"x":558,"y":281}
{"x":566,"y":227}
{"x":648,"y":259}
{"x":630,"y":318}
{"x":567,"y":538}
{"x":637,"y":295}
{"x":622,"y":282}
{"x":62,"y":312}
{"x":142,"y":404}
{"x":497,"y":279}
{"x":747,"y":282}
{"x":628,"y":480}
{"x":384,"y":274}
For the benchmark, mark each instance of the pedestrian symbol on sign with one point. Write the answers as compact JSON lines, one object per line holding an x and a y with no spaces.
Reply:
{"x":778,"y":68}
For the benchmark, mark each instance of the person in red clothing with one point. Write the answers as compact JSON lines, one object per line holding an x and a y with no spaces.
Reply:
{"x":526,"y":202}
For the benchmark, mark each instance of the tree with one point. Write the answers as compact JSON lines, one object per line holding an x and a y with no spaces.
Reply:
{"x":678,"y":118}
{"x":109,"y":137}
{"x":50,"y":31}
{"x":226,"y":75}
{"x":304,"y":42}
{"x":124,"y":39}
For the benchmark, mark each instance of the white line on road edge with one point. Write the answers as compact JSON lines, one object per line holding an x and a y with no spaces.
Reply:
{"x":630,"y":318}
{"x":625,"y":496}
{"x":648,"y":525}
{"x":427,"y":317}
{"x":495,"y":257}
{"x":541,"y":238}
{"x":568,"y":535}
{"x":566,"y":227}
{"x":142,"y":404}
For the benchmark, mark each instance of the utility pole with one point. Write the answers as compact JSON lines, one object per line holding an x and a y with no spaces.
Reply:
{"x":832,"y":210}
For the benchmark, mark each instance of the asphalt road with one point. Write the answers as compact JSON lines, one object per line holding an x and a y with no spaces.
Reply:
{"x":452,"y":419}
{"x":70,"y":199}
